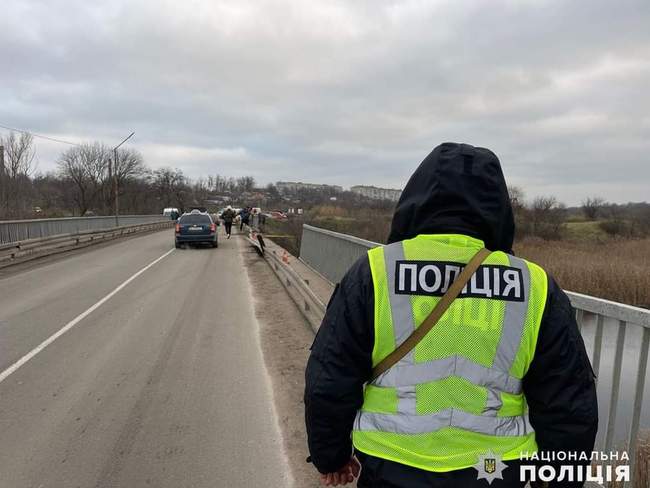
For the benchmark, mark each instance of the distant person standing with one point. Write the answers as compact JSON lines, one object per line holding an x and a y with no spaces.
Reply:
{"x":245,"y":217}
{"x":228,"y":216}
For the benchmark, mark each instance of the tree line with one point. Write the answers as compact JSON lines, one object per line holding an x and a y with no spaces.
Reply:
{"x":88,"y":174}
{"x":547,"y":218}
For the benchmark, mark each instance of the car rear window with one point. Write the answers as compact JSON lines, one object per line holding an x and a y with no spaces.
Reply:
{"x":196,"y":220}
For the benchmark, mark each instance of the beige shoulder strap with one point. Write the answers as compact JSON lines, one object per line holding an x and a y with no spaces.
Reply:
{"x":441,"y":307}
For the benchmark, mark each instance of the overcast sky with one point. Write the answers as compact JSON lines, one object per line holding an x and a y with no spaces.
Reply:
{"x":343,"y":92}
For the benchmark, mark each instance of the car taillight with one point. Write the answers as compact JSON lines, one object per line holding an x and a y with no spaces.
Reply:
{"x":213,"y":227}
{"x":178,"y":228}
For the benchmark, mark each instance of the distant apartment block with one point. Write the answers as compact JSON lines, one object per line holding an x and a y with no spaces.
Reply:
{"x":292,"y":187}
{"x":377,"y":193}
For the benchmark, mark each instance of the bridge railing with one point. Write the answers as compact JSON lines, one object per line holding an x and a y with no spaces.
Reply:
{"x":332,"y":253}
{"x":21,"y":230}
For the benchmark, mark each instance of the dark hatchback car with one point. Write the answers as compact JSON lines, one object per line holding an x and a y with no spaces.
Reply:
{"x":194,"y":228}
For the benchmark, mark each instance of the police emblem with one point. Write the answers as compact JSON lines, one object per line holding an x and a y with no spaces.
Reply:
{"x":490,"y":467}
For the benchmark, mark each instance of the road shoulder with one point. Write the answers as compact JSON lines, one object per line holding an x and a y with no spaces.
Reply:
{"x":285,"y":337}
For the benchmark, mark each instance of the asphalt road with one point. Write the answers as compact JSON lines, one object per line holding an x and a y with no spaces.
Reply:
{"x":160,"y":385}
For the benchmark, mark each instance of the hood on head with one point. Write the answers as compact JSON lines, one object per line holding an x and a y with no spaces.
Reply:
{"x":457,"y":189}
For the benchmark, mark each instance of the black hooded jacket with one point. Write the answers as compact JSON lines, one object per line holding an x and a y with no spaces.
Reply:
{"x":457,"y":189}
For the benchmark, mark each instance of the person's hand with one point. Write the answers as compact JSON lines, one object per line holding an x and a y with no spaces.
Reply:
{"x":343,"y":476}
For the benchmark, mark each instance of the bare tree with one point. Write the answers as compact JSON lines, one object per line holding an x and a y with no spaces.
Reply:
{"x":219,"y":184}
{"x":244,"y":184}
{"x":200,"y":190}
{"x":170,"y":186}
{"x":86,"y":167}
{"x":138,"y":195}
{"x":592,"y":207}
{"x":523,"y":225}
{"x":517,"y":200}
{"x":19,"y":154}
{"x":547,"y":217}
{"x":130,"y":164}
{"x":18,"y":166}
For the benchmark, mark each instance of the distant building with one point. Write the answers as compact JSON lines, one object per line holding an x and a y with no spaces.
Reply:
{"x":293,"y":187}
{"x":377,"y":193}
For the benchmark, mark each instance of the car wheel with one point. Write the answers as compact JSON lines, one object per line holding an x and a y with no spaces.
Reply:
{"x":177,"y":245}
{"x":215,"y":244}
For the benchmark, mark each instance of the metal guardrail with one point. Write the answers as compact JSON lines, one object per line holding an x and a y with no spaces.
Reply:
{"x":20,"y":230}
{"x":312,"y":308}
{"x":21,"y":251}
{"x":332,"y":253}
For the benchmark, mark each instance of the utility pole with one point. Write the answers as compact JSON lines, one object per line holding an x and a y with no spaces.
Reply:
{"x":116,"y":205}
{"x":113,"y":172}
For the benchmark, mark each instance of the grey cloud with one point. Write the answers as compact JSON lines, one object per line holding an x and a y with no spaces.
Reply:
{"x":343,"y":92}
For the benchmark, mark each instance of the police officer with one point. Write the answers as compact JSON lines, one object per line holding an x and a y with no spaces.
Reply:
{"x":503,"y":373}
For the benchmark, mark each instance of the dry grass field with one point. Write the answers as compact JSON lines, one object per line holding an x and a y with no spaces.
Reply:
{"x":616,"y":269}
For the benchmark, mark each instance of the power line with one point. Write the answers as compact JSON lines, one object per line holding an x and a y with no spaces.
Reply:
{"x":40,"y":136}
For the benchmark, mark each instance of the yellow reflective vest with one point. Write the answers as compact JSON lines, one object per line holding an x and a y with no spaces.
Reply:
{"x":458,"y":394}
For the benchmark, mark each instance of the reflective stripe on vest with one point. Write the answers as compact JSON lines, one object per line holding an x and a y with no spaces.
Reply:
{"x":407,"y":374}
{"x":422,"y":424}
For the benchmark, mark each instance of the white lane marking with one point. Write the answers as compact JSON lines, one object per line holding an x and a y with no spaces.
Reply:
{"x":11,"y":369}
